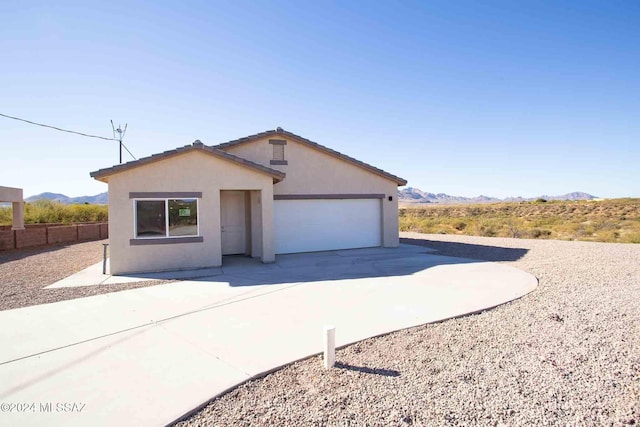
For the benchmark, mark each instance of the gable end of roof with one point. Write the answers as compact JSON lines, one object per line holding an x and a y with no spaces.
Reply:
{"x":281,"y":132}
{"x":103,"y":174}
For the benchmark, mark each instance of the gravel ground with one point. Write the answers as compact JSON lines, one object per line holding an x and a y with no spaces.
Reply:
{"x":24,"y":273}
{"x":566,"y":354}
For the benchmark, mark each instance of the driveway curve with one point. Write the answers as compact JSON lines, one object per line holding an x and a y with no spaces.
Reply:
{"x":151,"y":355}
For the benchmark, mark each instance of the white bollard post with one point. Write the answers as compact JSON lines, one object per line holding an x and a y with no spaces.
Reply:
{"x":329,"y":346}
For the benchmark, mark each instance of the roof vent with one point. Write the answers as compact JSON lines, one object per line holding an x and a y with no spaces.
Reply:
{"x":278,"y":129}
{"x":197,"y":143}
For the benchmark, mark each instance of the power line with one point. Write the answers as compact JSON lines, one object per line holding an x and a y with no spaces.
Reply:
{"x":121,"y":133}
{"x":57,"y":128}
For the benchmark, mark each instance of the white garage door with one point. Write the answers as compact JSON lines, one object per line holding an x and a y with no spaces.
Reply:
{"x":321,"y":225}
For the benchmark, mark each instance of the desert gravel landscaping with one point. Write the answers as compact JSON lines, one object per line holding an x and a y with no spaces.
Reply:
{"x":24,"y":273}
{"x":566,"y":354}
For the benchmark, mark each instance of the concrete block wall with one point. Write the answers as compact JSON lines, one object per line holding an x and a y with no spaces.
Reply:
{"x":62,"y":234}
{"x":50,"y":234}
{"x":104,"y":230}
{"x":7,"y":240}
{"x":30,"y":237}
{"x":88,"y":231}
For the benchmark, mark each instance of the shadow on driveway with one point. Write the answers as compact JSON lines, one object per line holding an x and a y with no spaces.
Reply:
{"x":466,"y":250}
{"x":412,"y":257}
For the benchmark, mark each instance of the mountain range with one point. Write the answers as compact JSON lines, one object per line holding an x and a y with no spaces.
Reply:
{"x":407,"y":195}
{"x":415,"y":195}
{"x":98,"y":199}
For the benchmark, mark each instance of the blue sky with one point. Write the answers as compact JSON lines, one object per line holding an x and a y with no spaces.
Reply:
{"x":466,"y":98}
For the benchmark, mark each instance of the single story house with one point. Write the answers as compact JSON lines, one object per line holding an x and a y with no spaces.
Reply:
{"x":270,"y":193}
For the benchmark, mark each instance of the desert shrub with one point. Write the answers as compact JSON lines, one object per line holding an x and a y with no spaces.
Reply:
{"x":484,"y":228}
{"x":42,"y":212}
{"x":6,"y":215}
{"x":609,"y":236}
{"x":540,"y":200}
{"x":460,"y":225}
{"x":631,"y":238}
{"x":85,"y":213}
{"x":409,"y":224}
{"x":538,"y":233}
{"x":48,"y":212}
{"x":616,"y":220}
{"x":513,"y":228}
{"x":475,"y":211}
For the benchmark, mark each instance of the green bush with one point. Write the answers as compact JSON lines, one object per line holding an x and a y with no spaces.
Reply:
{"x":6,"y":215}
{"x":47,"y":212}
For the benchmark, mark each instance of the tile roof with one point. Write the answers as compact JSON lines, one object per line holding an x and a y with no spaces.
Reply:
{"x":281,"y":132}
{"x":103,"y":174}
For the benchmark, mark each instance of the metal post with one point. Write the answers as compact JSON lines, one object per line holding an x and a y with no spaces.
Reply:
{"x":104,"y":258}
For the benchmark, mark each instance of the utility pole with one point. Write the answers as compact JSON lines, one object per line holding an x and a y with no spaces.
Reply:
{"x":120,"y":137}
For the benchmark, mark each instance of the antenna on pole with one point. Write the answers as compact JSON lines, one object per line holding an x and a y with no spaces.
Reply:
{"x":120,"y":137}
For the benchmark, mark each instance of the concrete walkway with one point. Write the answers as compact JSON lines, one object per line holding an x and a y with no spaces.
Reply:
{"x":92,"y":276}
{"x":149,"y":355}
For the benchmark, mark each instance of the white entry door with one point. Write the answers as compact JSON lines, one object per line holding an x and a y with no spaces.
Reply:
{"x":233,"y":222}
{"x":323,"y":225}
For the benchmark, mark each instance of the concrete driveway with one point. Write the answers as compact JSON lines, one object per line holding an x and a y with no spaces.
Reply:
{"x":148,"y":356}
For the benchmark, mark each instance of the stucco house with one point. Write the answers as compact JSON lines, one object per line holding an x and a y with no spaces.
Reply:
{"x":266,"y":194}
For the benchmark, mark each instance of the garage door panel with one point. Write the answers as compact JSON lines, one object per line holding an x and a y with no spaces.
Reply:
{"x":319,"y":225}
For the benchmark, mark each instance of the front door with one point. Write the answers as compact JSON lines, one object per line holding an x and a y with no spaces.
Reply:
{"x":233,"y":222}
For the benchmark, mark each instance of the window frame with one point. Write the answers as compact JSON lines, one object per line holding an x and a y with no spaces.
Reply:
{"x":166,"y":217}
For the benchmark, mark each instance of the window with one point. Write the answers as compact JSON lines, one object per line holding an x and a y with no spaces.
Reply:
{"x":151,"y":218}
{"x":166,"y":218}
{"x":278,"y":151}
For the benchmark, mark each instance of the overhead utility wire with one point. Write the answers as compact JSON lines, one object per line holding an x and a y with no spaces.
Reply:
{"x":56,"y":128}
{"x":68,"y":131}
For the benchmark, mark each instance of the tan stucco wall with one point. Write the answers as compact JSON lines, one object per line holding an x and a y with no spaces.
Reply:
{"x":194,"y":171}
{"x":310,"y":171}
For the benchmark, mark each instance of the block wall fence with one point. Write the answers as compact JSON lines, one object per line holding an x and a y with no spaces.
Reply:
{"x":51,"y":234}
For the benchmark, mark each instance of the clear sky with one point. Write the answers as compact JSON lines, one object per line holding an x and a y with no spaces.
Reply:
{"x":498,"y":98}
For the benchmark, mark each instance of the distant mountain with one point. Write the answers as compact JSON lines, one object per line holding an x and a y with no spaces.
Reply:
{"x":407,"y":195}
{"x":49,"y":196}
{"x":98,"y":199}
{"x":415,"y":195}
{"x":576,"y":195}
